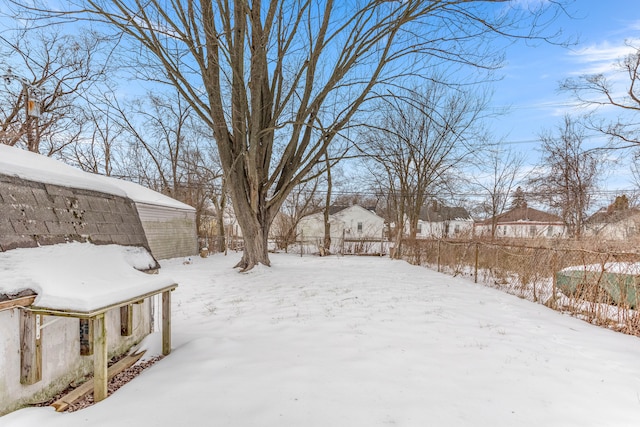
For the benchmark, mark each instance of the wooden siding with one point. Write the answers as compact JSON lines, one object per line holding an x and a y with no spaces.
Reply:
{"x":171,"y":232}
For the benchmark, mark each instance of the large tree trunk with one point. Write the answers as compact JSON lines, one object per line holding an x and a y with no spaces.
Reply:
{"x":255,"y":236}
{"x":254,"y":216}
{"x":220,"y":207}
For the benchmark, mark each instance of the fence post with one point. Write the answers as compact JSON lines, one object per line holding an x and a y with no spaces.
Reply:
{"x":475,"y":273}
{"x":554,"y":278}
{"x":342,"y":241}
{"x":438,"y":259}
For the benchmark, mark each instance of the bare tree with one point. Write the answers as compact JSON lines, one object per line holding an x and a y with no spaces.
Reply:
{"x":173,"y":153}
{"x":101,"y":143}
{"x":499,"y":169}
{"x":300,"y":69}
{"x":567,"y":175}
{"x":54,"y":71}
{"x":601,"y":90}
{"x":418,"y":140}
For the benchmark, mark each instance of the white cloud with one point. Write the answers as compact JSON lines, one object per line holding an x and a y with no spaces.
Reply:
{"x":602,"y":57}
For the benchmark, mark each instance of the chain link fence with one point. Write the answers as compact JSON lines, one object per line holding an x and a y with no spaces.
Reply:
{"x":601,"y":286}
{"x":341,"y":246}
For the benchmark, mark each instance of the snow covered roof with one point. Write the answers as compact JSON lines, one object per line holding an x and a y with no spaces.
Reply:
{"x":35,"y":167}
{"x":80,"y":277}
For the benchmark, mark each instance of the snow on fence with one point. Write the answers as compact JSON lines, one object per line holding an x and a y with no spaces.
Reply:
{"x":599,"y":286}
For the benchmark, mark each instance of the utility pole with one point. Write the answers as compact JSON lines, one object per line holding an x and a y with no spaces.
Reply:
{"x":31,"y":95}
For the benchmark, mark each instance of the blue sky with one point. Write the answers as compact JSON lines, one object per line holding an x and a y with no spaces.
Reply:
{"x":532,"y":75}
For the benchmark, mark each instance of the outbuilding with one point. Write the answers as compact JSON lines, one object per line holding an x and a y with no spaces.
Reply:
{"x":169,"y":225}
{"x":75,"y":289}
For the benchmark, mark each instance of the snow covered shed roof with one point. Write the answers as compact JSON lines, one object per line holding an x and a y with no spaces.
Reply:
{"x":80,"y":277}
{"x":35,"y":167}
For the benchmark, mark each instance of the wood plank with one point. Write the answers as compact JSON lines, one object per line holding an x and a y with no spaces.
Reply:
{"x":88,"y":314}
{"x":166,"y":322}
{"x":79,"y":392}
{"x":100,"y":360}
{"x":17,"y":302}
{"x":30,"y":347}
{"x":126,"y":320}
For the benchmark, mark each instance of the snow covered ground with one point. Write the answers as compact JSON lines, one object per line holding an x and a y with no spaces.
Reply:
{"x":363,"y":341}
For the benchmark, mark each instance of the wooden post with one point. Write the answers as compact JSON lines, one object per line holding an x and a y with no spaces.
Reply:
{"x":166,"y":322}
{"x":554,"y":280}
{"x":301,"y":243}
{"x":30,"y":348}
{"x":86,"y":337}
{"x":100,"y":360}
{"x":126,"y":320}
{"x":475,"y":273}
{"x":438,"y":255}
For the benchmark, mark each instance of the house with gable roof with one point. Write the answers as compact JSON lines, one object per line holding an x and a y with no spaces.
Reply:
{"x":614,"y":223}
{"x":438,"y":221}
{"x":522,"y":222}
{"x":348,"y":223}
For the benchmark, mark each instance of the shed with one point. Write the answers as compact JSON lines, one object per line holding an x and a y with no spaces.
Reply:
{"x":72,"y":254}
{"x":101,"y":293}
{"x":169,"y":225}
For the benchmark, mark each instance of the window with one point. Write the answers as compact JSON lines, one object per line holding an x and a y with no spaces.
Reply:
{"x":456,"y":229}
{"x":532,"y":231}
{"x":550,"y":231}
{"x":359,"y":227}
{"x":419,"y":230}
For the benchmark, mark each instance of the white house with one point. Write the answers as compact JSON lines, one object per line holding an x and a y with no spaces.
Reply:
{"x":522,"y":222}
{"x":347,"y":223}
{"x":438,"y":221}
{"x":614,"y":224}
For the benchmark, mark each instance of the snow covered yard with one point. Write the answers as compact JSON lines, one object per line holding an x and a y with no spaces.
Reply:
{"x":361,"y":341}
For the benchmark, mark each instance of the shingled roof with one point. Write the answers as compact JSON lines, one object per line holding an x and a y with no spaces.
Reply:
{"x":605,"y":216}
{"x":442,"y":213}
{"x":525,"y":214}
